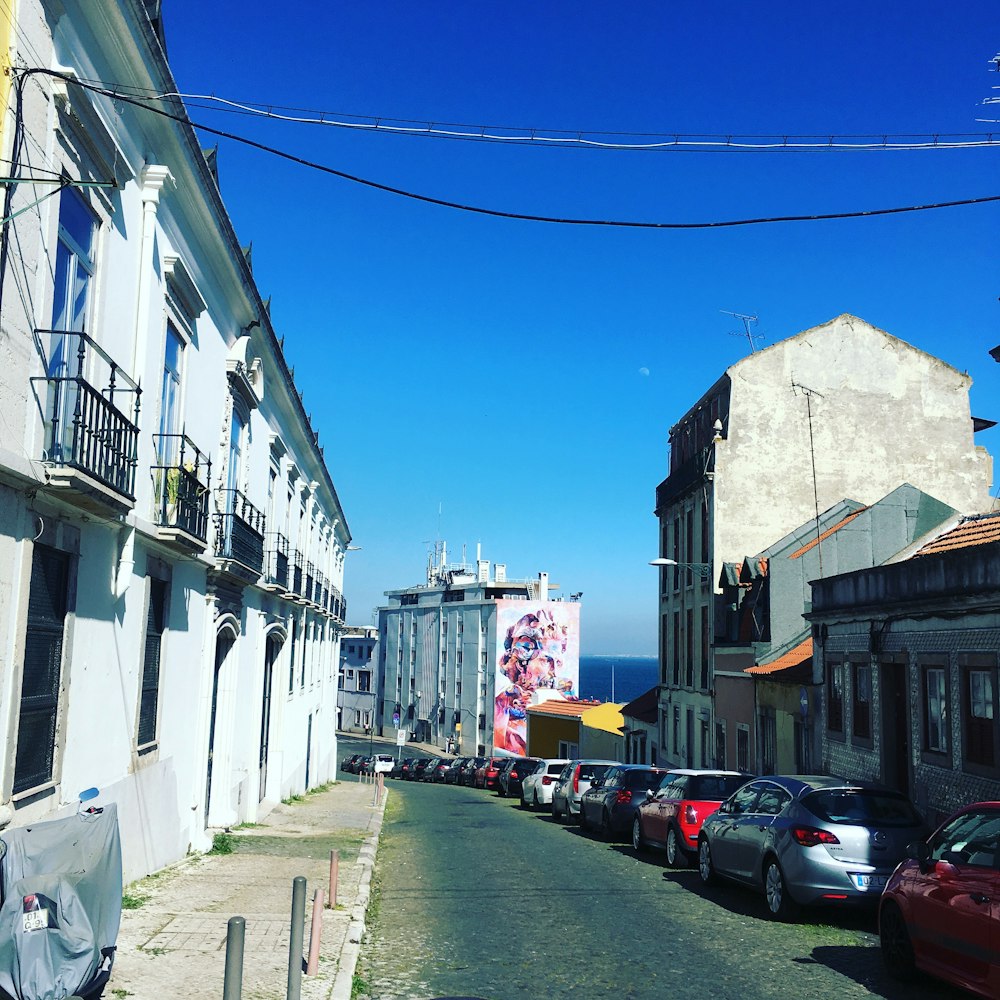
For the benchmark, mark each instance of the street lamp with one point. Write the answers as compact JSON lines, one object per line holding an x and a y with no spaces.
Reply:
{"x":704,"y":570}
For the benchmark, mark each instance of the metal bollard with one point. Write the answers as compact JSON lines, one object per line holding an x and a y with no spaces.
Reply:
{"x":334,"y":875}
{"x":295,"y":938}
{"x":232,"y":986}
{"x":315,"y":934}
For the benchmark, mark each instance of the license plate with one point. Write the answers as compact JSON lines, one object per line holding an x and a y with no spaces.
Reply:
{"x":36,"y":920}
{"x":869,"y":883}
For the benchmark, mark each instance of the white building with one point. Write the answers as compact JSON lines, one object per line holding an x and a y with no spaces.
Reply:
{"x":172,"y":542}
{"x":357,"y":691}
{"x":841,"y":410}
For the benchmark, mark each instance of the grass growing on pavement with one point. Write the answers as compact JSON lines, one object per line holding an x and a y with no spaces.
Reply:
{"x":132,"y":900}
{"x":360,"y":987}
{"x":222,"y":843}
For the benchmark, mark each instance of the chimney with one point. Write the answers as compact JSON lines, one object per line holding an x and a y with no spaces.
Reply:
{"x":500,"y":573}
{"x":483,"y":570}
{"x":543,"y":586}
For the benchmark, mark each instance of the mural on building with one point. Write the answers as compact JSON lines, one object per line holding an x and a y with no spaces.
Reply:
{"x":536,"y":648}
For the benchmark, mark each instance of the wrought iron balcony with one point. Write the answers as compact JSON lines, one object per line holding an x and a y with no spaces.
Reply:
{"x":239,"y":535}
{"x":91,"y":433}
{"x":276,"y":568}
{"x":180,"y":489}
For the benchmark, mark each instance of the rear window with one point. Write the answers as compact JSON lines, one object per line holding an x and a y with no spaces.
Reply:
{"x":862,"y":807}
{"x":593,"y":771}
{"x":641,"y":779}
{"x":714,"y":787}
{"x":556,"y":768}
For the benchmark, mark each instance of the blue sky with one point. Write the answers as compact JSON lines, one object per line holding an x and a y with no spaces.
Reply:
{"x":522,"y":377}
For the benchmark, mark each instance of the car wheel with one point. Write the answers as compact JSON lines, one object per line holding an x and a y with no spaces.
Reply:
{"x":534,"y":802}
{"x":779,"y":903}
{"x":897,"y":949}
{"x":705,"y":867}
{"x":675,"y":859}
{"x":606,"y":832}
{"x":637,"y":844}
{"x":555,"y":811}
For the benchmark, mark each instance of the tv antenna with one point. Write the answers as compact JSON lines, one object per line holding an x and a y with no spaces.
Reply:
{"x":746,"y":319}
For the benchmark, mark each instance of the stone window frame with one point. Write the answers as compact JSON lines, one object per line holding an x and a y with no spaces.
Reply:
{"x":939,"y":757}
{"x":968,"y":663}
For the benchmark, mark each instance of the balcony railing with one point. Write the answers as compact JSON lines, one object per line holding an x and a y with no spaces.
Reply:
{"x":276,"y":570}
{"x":310,"y":594}
{"x":93,"y":430}
{"x":180,"y":485}
{"x":298,"y":572}
{"x":239,"y":532}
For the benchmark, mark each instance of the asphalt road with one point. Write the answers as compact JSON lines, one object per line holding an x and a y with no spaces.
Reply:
{"x":478,"y":898}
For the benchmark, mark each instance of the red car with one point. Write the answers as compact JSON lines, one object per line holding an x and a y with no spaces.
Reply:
{"x":672,"y":818}
{"x":938,"y":913}
{"x":486,"y":775}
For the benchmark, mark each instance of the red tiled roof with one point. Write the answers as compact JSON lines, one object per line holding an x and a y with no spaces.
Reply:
{"x":567,"y":709}
{"x":826,"y":534}
{"x":979,"y":529}
{"x":793,"y":658}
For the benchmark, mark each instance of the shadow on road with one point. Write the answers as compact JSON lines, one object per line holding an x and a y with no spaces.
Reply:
{"x":865,"y":968}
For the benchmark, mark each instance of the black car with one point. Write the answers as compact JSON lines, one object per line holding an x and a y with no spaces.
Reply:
{"x":417,"y":770}
{"x":401,"y":766}
{"x":454,"y":770}
{"x":610,"y":804}
{"x":348,"y":763}
{"x":513,"y":775}
{"x":467,"y":775}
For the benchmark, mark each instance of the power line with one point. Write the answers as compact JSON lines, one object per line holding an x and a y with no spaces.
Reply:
{"x":579,"y":138}
{"x":499,"y":213}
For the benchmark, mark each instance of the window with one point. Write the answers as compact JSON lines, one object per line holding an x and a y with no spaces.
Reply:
{"x":677,"y":649}
{"x":835,"y":697}
{"x":237,"y":430}
{"x":293,"y":635}
{"x":861,"y":698}
{"x":704,"y":532}
{"x":935,"y":711}
{"x":364,"y":680}
{"x":170,"y":400}
{"x":742,"y":748}
{"x":43,"y":650}
{"x":979,"y":715}
{"x":74,"y":263}
{"x":149,"y":696}
{"x":768,"y":740}
{"x":677,"y":729}
{"x":704,"y":648}
{"x":689,"y":647}
{"x":969,"y":839}
{"x":703,"y":734}
{"x":720,"y":745}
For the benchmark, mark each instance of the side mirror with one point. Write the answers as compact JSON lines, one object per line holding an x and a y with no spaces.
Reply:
{"x":725,"y":808}
{"x":919,"y":851}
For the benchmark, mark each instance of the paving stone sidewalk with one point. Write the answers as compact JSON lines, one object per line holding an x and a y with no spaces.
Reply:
{"x":173,"y":944}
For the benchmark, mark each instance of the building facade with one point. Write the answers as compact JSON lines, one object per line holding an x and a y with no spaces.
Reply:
{"x":841,"y":410}
{"x":357,"y":689}
{"x":461,"y":655}
{"x":173,"y":541}
{"x":907,"y":658}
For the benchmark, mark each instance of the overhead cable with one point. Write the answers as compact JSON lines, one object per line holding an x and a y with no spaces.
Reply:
{"x":117,"y":95}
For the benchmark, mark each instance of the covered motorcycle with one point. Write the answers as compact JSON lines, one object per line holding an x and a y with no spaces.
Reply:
{"x":61,"y":906}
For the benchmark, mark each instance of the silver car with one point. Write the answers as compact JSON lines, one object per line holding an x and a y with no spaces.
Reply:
{"x":574,"y":780}
{"x":806,"y":841}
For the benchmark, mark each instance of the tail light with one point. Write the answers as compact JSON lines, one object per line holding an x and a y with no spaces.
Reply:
{"x":548,"y":779}
{"x":690,"y":816}
{"x":808,"y":836}
{"x":623,"y":797}
{"x":576,"y":780}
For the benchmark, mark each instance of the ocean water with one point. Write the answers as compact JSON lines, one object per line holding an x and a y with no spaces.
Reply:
{"x":626,"y":677}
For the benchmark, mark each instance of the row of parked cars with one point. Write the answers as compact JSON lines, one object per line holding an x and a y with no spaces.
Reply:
{"x":378,"y":763}
{"x":800,"y":841}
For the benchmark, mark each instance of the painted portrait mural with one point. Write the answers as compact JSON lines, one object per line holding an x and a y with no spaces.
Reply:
{"x":538,"y":646}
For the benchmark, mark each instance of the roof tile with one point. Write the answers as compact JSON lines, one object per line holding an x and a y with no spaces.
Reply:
{"x":979,"y":529}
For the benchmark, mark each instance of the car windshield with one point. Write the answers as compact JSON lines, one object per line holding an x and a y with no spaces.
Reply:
{"x":714,"y":787}
{"x":862,"y":807}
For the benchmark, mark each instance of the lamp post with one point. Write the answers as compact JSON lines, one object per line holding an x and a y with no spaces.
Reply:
{"x":704,"y":570}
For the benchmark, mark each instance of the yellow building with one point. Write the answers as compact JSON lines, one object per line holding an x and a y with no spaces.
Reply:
{"x":576,"y":729}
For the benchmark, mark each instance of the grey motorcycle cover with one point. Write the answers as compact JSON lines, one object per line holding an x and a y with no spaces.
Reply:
{"x":62,"y":901}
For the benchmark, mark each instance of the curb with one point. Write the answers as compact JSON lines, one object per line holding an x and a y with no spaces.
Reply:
{"x":343,"y":984}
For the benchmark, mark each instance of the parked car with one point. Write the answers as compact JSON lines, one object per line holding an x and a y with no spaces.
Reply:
{"x":938,"y":911}
{"x":468,"y":773}
{"x":421,"y":766}
{"x":808,"y":840}
{"x":574,"y":779}
{"x":360,"y":765}
{"x":486,"y":773}
{"x":437,"y":770}
{"x":672,"y":818}
{"x":609,"y":805}
{"x":454,"y":770}
{"x":401,"y":767}
{"x":347,"y":764}
{"x":536,"y":789}
{"x":382,"y":763}
{"x":514,"y":774}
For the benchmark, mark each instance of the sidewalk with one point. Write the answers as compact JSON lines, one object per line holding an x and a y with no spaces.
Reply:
{"x":174,"y":942}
